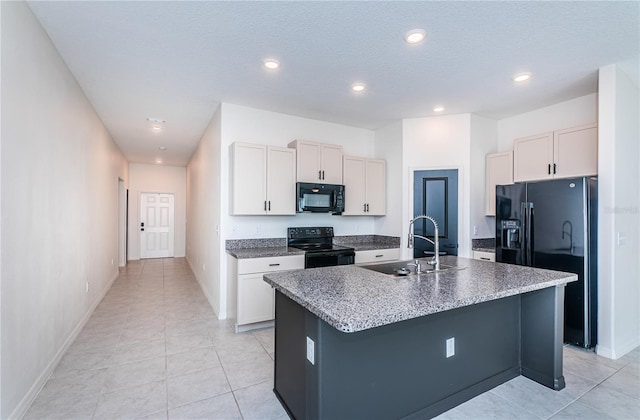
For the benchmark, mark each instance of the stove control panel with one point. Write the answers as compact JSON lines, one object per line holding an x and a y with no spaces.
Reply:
{"x":309,"y":232}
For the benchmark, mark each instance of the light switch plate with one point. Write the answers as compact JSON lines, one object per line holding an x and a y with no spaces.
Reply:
{"x":451,"y":346}
{"x":311,"y":351}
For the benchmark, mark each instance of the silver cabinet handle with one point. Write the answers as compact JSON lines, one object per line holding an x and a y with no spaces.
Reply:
{"x":379,"y":255}
{"x":485,"y":258}
{"x":274,"y":265}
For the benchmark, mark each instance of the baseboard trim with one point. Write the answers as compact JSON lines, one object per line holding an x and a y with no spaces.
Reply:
{"x":619,"y":351}
{"x":204,"y":289}
{"x":32,"y":394}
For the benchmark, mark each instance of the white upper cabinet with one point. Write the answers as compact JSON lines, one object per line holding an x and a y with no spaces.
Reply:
{"x":499,"y":171}
{"x":248,"y":178}
{"x":281,"y":181}
{"x":561,"y":154}
{"x":364,"y":186}
{"x":575,"y":151}
{"x":318,"y":162}
{"x":533,"y":157}
{"x":263,"y":180}
{"x":375,"y":187}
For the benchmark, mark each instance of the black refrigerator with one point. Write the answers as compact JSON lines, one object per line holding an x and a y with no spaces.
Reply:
{"x":553,"y":225}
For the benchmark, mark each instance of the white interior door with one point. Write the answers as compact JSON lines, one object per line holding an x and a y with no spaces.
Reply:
{"x":156,"y":225}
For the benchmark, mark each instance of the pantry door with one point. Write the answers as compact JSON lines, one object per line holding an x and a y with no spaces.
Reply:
{"x":156,"y":225}
{"x":435,"y":193}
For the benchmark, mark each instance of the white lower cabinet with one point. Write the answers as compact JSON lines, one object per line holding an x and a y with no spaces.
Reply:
{"x":377,"y":255}
{"x":251,"y":299}
{"x":484,"y":256}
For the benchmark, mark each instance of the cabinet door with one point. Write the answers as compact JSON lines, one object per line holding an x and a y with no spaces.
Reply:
{"x":308,"y":161}
{"x":331,"y":165}
{"x":248,"y":179}
{"x":499,"y":171}
{"x":375,"y":187}
{"x":576,"y":151}
{"x":281,"y":181}
{"x":354,"y":186}
{"x":255,"y":299}
{"x":533,"y":158}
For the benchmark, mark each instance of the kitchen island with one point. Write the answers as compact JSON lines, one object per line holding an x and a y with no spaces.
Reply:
{"x":354,"y":343}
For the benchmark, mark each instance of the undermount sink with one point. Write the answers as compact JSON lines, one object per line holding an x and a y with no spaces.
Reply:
{"x":402,"y":268}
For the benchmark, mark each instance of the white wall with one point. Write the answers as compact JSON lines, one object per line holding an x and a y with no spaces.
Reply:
{"x":388,"y":146}
{"x":0,"y":218}
{"x":157,"y":179}
{"x":484,"y":139}
{"x":60,"y":172}
{"x":618,"y":214}
{"x":438,"y":143}
{"x":203,"y":212}
{"x":572,"y":113}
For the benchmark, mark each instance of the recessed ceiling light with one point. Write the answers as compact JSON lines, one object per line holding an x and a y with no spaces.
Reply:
{"x":156,"y":123}
{"x":162,"y":148}
{"x":271,"y":64}
{"x":415,"y":36}
{"x":158,"y":161}
{"x":438,"y":108}
{"x":521,"y":77}
{"x":358,"y":87}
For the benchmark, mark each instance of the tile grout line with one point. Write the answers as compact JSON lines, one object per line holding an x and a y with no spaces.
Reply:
{"x":227,"y":379}
{"x":166,"y":357}
{"x":509,"y":401}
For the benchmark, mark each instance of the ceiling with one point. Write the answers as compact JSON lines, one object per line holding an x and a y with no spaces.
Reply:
{"x":177,"y":61}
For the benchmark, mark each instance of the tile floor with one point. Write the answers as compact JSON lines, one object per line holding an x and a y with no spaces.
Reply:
{"x":153,"y":349}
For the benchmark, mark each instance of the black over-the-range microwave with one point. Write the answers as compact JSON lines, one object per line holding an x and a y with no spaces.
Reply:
{"x":320,"y":198}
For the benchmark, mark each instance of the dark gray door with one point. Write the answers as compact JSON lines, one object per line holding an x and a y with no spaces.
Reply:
{"x":435,"y":193}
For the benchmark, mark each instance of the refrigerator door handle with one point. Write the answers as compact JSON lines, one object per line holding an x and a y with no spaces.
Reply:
{"x":523,"y":234}
{"x":526,"y":209}
{"x":530,"y":239}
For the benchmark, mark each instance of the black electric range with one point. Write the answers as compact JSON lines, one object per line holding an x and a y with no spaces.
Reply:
{"x":317,"y":242}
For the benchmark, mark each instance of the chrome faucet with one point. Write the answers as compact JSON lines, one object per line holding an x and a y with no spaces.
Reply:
{"x":436,"y":244}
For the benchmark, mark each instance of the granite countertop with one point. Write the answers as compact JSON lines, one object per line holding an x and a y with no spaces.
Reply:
{"x":352,"y":299}
{"x":483,"y":244}
{"x":485,"y":249}
{"x":368,"y":242}
{"x":277,"y":247}
{"x":368,"y":246}
{"x":262,"y":252}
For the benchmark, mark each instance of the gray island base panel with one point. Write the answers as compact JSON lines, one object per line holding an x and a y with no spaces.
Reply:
{"x":400,"y":369}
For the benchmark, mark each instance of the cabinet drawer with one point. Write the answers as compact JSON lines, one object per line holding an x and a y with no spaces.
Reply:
{"x":376,"y":255}
{"x":484,"y":256}
{"x":267,"y":264}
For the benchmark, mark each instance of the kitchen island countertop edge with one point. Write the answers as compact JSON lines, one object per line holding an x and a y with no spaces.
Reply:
{"x":352,"y":299}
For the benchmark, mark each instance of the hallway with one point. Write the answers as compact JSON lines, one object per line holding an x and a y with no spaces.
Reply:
{"x":153,"y":347}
